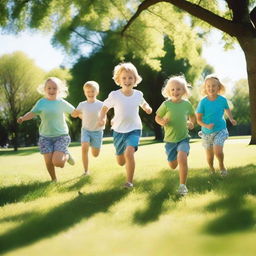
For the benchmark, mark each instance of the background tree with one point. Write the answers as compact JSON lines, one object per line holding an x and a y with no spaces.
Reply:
{"x":19,"y":77}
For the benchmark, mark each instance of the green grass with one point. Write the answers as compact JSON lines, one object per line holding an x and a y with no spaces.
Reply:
{"x":217,"y":217}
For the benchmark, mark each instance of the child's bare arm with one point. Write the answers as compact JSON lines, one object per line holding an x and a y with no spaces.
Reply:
{"x":201,"y":123}
{"x":76,"y":113}
{"x":161,"y":121}
{"x":191,"y":122}
{"x":102,"y":116}
{"x":146,"y":108}
{"x":230,"y":116}
{"x":26,"y":117}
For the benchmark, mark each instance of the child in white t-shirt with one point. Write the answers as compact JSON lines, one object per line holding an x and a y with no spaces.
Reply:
{"x":126,"y":123}
{"x":91,"y":133}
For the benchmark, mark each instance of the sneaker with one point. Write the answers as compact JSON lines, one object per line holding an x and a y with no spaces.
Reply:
{"x":86,"y":173}
{"x":223,"y":173}
{"x":71,"y":160}
{"x":128,"y":185}
{"x":182,"y":190}
{"x":200,"y":134}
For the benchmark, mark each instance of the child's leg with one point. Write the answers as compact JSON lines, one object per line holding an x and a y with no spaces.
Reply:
{"x":85,"y":159}
{"x":120,"y":159}
{"x":95,"y":151}
{"x":183,"y":166}
{"x":173,"y":164}
{"x":129,"y":162}
{"x":49,"y":165}
{"x":59,"y":159}
{"x":210,"y":158}
{"x":218,"y":152}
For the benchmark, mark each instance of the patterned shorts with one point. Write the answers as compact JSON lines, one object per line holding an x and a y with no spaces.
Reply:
{"x":215,"y":138}
{"x":52,"y":144}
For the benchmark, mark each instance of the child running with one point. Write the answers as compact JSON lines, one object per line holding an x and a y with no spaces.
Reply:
{"x":176,"y":115}
{"x":210,"y":116}
{"x":53,"y":131}
{"x":126,"y":123}
{"x":91,"y":133}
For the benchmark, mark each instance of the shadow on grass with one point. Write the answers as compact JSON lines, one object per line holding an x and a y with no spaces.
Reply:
{"x":159,"y":190}
{"x":234,"y":212}
{"x":32,"y":191}
{"x":39,"y":226}
{"x":20,"y":152}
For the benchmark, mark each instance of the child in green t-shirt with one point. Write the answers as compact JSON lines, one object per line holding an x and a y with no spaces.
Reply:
{"x":176,"y":115}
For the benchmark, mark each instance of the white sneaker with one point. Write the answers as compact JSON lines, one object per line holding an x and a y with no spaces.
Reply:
{"x":182,"y":190}
{"x":86,"y":173}
{"x":128,"y":185}
{"x":223,"y":173}
{"x":70,"y":160}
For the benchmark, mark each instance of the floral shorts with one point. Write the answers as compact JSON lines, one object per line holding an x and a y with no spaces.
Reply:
{"x":215,"y":138}
{"x":52,"y":144}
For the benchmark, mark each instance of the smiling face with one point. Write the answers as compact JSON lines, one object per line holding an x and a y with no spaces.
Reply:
{"x":127,"y":79}
{"x":90,"y":93}
{"x":176,"y":91}
{"x":212,"y":87}
{"x":51,"y":90}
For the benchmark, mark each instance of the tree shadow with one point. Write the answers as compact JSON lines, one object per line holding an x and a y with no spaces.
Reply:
{"x":234,"y":213}
{"x":39,"y":226}
{"x":158,"y":191}
{"x":35,"y":190}
{"x":20,"y":152}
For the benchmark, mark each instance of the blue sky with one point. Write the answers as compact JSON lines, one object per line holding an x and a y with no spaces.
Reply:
{"x":229,"y":65}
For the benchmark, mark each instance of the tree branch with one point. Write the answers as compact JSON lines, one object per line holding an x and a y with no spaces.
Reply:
{"x":232,"y":28}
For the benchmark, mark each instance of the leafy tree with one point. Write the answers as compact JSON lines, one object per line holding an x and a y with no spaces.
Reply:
{"x":19,"y":77}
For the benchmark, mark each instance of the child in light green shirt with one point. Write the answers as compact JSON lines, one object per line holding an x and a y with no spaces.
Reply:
{"x":176,"y":115}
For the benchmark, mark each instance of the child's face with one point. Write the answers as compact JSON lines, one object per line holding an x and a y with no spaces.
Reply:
{"x":127,"y":79}
{"x":90,"y":93}
{"x":51,"y":90}
{"x":176,"y":91}
{"x":211,"y":87}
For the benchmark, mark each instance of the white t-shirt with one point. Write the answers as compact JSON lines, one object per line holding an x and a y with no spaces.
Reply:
{"x":126,"y":108}
{"x":90,"y":114}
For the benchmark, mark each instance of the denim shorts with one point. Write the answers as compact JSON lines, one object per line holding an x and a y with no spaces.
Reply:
{"x":172,"y":149}
{"x":52,"y":144}
{"x":92,"y":137}
{"x":215,"y":138}
{"x":123,"y":140}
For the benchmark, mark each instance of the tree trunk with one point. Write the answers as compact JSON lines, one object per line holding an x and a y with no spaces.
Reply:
{"x":249,"y":45}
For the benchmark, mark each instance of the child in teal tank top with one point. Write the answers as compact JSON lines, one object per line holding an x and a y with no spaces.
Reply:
{"x":176,"y":115}
{"x":54,"y":138}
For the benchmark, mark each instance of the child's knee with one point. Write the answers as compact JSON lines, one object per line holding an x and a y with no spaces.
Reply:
{"x":173,"y":164}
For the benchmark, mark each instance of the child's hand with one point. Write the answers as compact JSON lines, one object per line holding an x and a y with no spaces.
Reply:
{"x":165,"y":121}
{"x":190,"y":125}
{"x":101,"y":122}
{"x":209,"y":126}
{"x":148,"y":110}
{"x":233,"y":122}
{"x":20,"y":120}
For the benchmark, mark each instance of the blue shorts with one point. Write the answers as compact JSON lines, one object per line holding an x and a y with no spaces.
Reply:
{"x":52,"y":144}
{"x":92,"y":137}
{"x":215,"y":138}
{"x":172,"y":149}
{"x":123,"y":140}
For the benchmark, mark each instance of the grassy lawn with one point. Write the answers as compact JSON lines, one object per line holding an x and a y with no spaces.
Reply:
{"x":217,"y":217}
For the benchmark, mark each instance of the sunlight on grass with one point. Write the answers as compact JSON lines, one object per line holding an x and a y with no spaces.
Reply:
{"x":95,"y":216}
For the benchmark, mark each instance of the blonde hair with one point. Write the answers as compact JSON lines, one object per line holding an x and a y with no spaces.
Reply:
{"x":127,"y":66}
{"x":222,"y":88}
{"x":178,"y":79}
{"x":92,"y":84}
{"x":62,"y":89}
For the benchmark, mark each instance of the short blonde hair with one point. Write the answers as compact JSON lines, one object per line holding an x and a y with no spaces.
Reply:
{"x":177,"y":79}
{"x":127,"y":66}
{"x":222,"y":88}
{"x":92,"y":84}
{"x":62,"y":89}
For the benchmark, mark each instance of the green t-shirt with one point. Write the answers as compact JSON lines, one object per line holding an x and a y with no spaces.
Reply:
{"x":176,"y":130}
{"x":52,"y":115}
